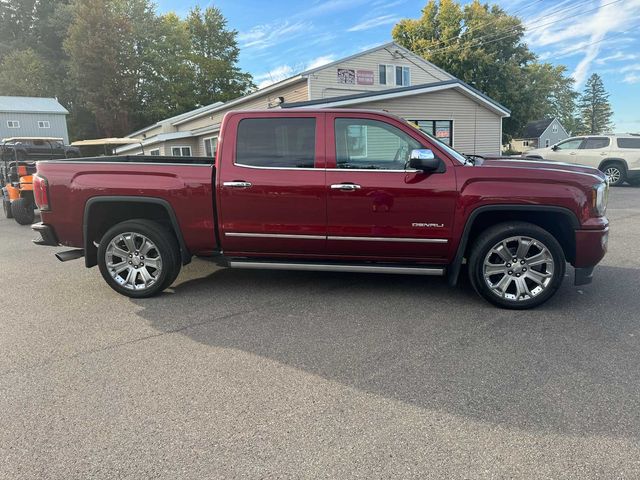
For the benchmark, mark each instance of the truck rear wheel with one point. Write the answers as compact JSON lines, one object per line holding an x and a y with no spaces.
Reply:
{"x":516,"y":265}
{"x":22,"y":210}
{"x":139,"y":258}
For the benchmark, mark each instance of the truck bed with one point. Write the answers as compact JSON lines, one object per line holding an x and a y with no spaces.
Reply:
{"x":181,"y":185}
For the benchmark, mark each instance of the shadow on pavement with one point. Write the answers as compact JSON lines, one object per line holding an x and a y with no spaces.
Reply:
{"x":571,"y":366}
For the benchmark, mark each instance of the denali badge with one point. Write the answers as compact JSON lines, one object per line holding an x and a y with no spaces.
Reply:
{"x":428,"y":225}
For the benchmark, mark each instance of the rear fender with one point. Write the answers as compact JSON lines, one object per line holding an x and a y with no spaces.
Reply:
{"x":90,"y":248}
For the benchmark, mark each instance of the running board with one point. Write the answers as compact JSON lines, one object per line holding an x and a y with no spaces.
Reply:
{"x":335,"y":267}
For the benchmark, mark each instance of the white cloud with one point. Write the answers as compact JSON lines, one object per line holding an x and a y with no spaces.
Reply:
{"x":285,"y":71}
{"x":617,"y":57}
{"x":374,"y":22}
{"x":631,"y":78}
{"x":634,"y":67}
{"x":268,"y":35}
{"x":582,"y":31}
{"x":320,"y":61}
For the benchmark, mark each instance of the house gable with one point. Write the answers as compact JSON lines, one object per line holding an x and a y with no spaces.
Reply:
{"x":360,"y":73}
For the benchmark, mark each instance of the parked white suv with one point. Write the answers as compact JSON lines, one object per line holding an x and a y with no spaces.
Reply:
{"x":618,"y":156}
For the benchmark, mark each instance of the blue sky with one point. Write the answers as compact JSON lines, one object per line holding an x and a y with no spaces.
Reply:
{"x":279,"y":38}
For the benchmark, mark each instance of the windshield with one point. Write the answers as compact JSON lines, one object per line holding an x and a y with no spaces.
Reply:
{"x":454,"y":153}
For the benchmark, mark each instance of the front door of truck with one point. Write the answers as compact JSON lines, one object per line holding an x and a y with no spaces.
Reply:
{"x":271,"y":184}
{"x":376,"y":207}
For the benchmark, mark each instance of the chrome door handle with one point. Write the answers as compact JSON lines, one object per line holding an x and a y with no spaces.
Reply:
{"x":573,"y":153}
{"x":237,"y":184}
{"x":345,"y":186}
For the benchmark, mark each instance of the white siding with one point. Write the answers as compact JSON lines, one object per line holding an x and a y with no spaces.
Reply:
{"x":296,"y":92}
{"x":476,"y":129}
{"x":324,"y":82}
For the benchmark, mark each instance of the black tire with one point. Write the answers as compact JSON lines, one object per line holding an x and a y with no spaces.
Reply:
{"x":489,"y":239}
{"x":616,"y":172}
{"x":6,"y":207}
{"x":22,"y":210}
{"x":167,"y":249}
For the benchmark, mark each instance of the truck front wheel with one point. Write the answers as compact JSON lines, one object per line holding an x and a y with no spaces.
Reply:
{"x":516,"y":265}
{"x":139,"y":258}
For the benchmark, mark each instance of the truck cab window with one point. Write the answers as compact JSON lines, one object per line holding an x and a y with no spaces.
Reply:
{"x":276,"y":142}
{"x":371,"y":145}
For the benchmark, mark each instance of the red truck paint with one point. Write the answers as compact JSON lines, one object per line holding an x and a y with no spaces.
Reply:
{"x":416,"y":217}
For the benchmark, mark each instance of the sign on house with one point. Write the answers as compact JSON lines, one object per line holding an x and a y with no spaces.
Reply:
{"x":364,"y":77}
{"x":349,"y":76}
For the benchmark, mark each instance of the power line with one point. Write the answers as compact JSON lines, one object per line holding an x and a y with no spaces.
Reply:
{"x":580,"y":47}
{"x":537,"y":20}
{"x":495,"y":20}
{"x":514,"y":31}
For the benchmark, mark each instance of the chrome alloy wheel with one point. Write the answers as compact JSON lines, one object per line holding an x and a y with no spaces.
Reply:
{"x":614,"y":174}
{"x":518,"y":268}
{"x":133,"y":261}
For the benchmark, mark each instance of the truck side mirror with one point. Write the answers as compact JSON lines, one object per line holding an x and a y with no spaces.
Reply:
{"x":554,"y":148}
{"x":424,"y":159}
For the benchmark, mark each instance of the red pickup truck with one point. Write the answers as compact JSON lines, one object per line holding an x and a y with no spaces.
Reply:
{"x":332,"y":190}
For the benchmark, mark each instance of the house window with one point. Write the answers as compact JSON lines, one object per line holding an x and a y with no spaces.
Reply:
{"x":394,"y":75}
{"x":441,"y":129}
{"x":554,"y":128}
{"x":525,"y":143}
{"x":210,"y":146}
{"x":13,"y":124}
{"x":181,"y":151}
{"x":44,"y":124}
{"x":546,"y":142}
{"x":155,"y":152}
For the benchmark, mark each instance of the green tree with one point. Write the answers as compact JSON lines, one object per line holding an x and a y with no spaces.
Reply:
{"x":100,"y":47}
{"x":483,"y":46}
{"x":214,"y":55}
{"x":23,"y":73}
{"x":594,"y":106}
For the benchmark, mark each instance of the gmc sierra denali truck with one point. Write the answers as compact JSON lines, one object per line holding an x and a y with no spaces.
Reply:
{"x":332,"y":190}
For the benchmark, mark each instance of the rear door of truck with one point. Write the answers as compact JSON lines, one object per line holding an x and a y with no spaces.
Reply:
{"x":271,"y":184}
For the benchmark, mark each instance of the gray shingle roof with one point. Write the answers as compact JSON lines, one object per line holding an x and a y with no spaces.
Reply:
{"x":537,"y":128}
{"x":31,"y":105}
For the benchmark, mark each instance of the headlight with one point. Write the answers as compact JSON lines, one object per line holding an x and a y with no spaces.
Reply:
{"x":601,"y":198}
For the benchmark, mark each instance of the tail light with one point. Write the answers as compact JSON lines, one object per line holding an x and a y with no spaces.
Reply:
{"x":41,"y":193}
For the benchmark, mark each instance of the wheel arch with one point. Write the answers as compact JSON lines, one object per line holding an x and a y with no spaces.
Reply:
{"x":545,"y":216}
{"x":116,"y":209}
{"x":608,"y":160}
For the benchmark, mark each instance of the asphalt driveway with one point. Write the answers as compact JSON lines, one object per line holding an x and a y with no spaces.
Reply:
{"x":250,"y":374}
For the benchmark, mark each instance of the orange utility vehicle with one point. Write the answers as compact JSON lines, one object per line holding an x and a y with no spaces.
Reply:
{"x":16,"y":182}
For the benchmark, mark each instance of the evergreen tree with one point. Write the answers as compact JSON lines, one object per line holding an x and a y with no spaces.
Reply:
{"x":594,"y":107}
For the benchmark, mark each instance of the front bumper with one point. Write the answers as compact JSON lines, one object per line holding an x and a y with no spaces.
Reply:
{"x":47,"y":235}
{"x":591,"y":247}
